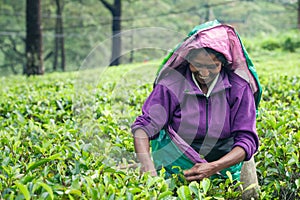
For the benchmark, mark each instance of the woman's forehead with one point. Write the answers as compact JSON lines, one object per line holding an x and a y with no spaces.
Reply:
{"x":204,"y":57}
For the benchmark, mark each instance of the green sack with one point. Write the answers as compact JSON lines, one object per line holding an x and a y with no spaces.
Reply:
{"x":166,"y":154}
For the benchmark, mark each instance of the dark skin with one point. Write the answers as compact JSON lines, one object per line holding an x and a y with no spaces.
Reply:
{"x":205,"y":68}
{"x":142,"y":149}
{"x":205,"y":170}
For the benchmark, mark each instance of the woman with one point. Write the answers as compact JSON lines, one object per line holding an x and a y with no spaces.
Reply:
{"x":204,"y":106}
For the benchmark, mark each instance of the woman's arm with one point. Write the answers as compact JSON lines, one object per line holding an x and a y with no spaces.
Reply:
{"x":156,"y":113}
{"x":142,"y":150}
{"x":205,"y":170}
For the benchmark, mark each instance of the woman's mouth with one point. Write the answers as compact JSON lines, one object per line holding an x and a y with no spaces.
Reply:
{"x":203,"y":77}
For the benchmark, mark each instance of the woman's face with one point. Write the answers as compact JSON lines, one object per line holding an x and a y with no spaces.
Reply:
{"x":205,"y":67}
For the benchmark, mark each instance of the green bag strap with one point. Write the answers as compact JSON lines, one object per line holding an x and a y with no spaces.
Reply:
{"x":252,"y":70}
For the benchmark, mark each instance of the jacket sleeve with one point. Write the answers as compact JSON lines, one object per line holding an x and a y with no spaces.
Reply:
{"x":243,"y":122}
{"x":156,"y":111}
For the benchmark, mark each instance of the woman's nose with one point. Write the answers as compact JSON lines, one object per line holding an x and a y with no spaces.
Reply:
{"x":203,"y":72}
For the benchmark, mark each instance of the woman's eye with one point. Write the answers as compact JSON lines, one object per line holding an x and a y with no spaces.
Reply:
{"x":211,"y":66}
{"x":206,"y":66}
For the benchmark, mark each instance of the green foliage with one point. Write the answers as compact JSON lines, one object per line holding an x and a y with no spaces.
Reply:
{"x":291,"y":43}
{"x":278,"y":160}
{"x":288,"y":41}
{"x":270,"y":44}
{"x":67,"y":136}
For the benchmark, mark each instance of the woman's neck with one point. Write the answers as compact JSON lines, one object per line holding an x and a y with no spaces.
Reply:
{"x":203,"y":87}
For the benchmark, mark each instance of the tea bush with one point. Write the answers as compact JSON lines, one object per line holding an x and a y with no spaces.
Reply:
{"x":284,"y":41}
{"x":271,"y":44}
{"x":67,"y":136}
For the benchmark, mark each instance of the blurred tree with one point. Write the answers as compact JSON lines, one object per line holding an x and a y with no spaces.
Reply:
{"x":34,"y":64}
{"x":12,"y":55}
{"x":85,"y":24}
{"x":116,"y":11}
{"x":12,"y":51}
{"x":298,"y":14}
{"x":59,"y":46}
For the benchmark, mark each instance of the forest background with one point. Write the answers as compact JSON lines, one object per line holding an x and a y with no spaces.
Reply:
{"x":71,"y":29}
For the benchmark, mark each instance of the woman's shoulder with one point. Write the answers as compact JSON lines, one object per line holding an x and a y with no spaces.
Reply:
{"x":237,"y":79}
{"x":239,"y":89}
{"x":169,"y":76}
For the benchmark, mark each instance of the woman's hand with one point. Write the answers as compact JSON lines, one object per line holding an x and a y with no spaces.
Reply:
{"x":200,"y":171}
{"x":149,"y":167}
{"x":204,"y":170}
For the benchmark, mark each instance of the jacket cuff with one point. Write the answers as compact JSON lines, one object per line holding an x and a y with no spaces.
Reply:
{"x":150,"y":136}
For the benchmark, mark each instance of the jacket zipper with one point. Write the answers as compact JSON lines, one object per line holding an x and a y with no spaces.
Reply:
{"x":206,"y":128}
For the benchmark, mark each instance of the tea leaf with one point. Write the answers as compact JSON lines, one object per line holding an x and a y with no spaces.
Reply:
{"x":23,"y":190}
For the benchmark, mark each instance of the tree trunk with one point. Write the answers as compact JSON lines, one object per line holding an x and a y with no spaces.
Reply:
{"x":56,"y":44}
{"x":132,"y":51}
{"x":34,"y":64}
{"x":299,"y":14}
{"x":116,"y":12}
{"x":116,"y":29}
{"x":62,"y":47}
{"x":207,"y":12}
{"x":59,"y":39}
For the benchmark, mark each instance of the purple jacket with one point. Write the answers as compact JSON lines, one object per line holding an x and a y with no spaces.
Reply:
{"x":229,"y":112}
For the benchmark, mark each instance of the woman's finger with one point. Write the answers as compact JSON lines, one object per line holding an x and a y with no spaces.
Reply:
{"x":197,"y":177}
{"x":190,"y":172}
